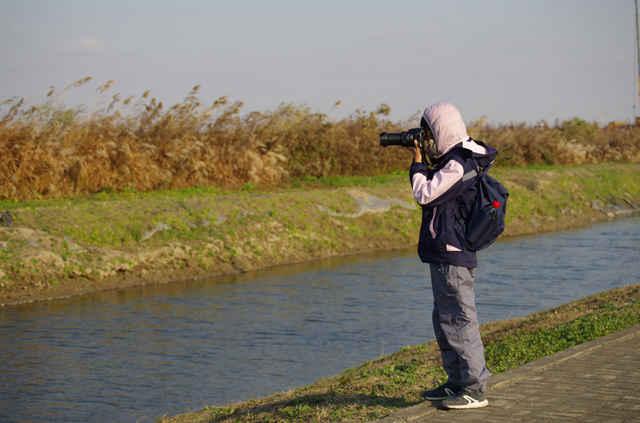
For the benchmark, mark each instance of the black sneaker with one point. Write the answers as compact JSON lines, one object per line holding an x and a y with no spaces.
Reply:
{"x":466,"y":398}
{"x":441,"y":392}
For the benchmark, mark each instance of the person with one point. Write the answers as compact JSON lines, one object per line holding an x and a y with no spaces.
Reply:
{"x":446,"y":192}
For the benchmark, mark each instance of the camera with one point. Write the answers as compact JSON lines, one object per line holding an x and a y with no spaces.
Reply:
{"x":403,"y":139}
{"x":406,"y":139}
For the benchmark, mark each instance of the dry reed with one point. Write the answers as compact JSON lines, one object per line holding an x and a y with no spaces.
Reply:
{"x":50,"y":150}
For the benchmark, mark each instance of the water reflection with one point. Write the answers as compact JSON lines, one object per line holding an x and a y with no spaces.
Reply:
{"x":142,"y":352}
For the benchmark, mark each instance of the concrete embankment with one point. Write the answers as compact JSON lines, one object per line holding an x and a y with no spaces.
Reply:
{"x":59,"y":248}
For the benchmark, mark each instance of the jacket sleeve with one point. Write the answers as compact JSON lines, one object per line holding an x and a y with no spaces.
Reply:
{"x":428,"y":187}
{"x":419,"y":168}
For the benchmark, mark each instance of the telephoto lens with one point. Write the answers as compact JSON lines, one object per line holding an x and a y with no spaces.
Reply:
{"x":392,"y":138}
{"x":403,"y":139}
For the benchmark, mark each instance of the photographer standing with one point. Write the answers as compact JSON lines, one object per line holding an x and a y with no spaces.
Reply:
{"x":446,"y":193}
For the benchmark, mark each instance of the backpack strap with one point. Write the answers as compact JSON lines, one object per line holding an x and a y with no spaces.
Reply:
{"x":460,"y":152}
{"x":465,"y":154}
{"x":469,"y":175}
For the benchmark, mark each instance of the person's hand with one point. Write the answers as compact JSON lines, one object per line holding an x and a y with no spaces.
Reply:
{"x":417,"y":153}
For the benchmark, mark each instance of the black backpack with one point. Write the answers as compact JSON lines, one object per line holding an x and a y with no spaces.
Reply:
{"x":487,"y":215}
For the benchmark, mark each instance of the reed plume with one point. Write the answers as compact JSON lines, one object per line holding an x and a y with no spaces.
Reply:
{"x":50,"y":150}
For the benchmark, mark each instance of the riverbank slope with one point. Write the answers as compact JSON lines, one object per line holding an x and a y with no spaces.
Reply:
{"x":59,"y":248}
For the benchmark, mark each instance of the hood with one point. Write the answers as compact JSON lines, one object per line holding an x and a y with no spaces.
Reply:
{"x":446,"y":124}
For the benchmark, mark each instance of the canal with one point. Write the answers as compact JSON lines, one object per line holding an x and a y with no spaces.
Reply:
{"x":137,"y":354}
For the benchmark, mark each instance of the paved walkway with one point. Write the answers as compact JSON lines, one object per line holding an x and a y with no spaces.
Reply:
{"x":598,"y":381}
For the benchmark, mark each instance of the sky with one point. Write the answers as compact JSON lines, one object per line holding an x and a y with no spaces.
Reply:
{"x":510,"y":60}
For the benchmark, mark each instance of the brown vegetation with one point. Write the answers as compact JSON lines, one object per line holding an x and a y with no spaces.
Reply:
{"x":49,"y":150}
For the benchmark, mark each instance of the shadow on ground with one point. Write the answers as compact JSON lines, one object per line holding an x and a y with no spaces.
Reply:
{"x":276,"y":409}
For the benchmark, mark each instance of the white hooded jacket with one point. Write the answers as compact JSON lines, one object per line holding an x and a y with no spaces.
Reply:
{"x":449,"y":130}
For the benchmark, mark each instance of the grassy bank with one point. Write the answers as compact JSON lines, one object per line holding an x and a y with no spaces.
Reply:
{"x":62,"y":247}
{"x":379,"y":387}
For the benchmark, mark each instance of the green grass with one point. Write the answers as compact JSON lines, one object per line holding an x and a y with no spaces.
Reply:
{"x":379,"y":387}
{"x":346,"y":181}
{"x":109,"y":196}
{"x":522,"y":347}
{"x":120,"y":219}
{"x":187,"y":193}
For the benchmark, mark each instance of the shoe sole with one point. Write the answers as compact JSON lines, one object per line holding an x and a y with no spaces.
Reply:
{"x":476,"y":404}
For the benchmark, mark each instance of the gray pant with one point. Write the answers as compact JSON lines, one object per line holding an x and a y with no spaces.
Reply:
{"x":455,"y":323}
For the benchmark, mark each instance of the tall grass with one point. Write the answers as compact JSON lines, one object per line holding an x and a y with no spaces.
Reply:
{"x":50,"y":150}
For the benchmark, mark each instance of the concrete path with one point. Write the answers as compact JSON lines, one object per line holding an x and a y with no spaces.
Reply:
{"x":598,"y":381}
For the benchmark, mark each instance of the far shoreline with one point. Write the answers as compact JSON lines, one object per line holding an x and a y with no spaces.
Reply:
{"x":325,"y":223}
{"x":129,"y":282}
